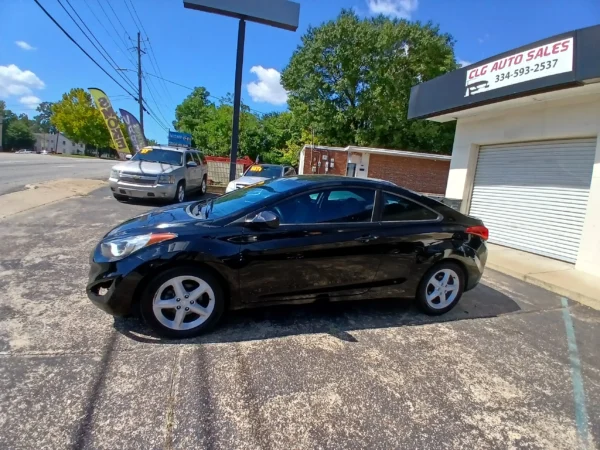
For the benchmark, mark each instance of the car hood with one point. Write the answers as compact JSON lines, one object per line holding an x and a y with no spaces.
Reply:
{"x":249,"y":180}
{"x":169,"y":218}
{"x":145,"y":167}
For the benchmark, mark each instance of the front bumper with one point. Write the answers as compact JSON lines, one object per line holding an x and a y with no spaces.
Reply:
{"x":112,"y":286}
{"x":165,"y":191}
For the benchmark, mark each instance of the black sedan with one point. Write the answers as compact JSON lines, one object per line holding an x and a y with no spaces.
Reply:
{"x":287,"y":240}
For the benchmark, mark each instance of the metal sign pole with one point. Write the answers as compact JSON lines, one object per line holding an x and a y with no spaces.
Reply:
{"x":239,"y":64}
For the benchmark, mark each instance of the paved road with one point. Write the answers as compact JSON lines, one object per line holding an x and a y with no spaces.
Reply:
{"x":496,"y":372}
{"x":16,"y":171}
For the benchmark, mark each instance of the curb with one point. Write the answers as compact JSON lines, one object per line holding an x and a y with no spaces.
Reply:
{"x":531,"y":279}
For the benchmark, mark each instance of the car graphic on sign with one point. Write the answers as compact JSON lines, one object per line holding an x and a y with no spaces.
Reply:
{"x":473,"y":88}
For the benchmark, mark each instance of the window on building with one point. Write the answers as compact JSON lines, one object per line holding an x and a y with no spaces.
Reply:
{"x":397,"y":208}
{"x":64,"y":142}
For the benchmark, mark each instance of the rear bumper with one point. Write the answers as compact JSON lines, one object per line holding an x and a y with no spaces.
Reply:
{"x":165,"y":191}
{"x":476,"y":266}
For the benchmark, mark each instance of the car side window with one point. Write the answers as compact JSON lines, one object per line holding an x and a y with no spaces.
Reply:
{"x":197,"y":159}
{"x":202,"y":157}
{"x":188,"y":157}
{"x":397,"y":209}
{"x":353,"y":205}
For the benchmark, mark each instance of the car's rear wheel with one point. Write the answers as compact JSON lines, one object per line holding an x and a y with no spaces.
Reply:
{"x":120,"y":198}
{"x":441,"y":288}
{"x":180,"y":193}
{"x":203,"y":186}
{"x":183,"y":302}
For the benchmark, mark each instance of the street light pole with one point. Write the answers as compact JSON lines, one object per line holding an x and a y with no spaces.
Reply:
{"x":237,"y":97}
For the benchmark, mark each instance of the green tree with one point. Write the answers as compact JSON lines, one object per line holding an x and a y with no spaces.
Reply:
{"x":19,"y":135}
{"x":42,"y":121}
{"x":351,"y":79}
{"x":151,"y":142}
{"x":76,"y":116}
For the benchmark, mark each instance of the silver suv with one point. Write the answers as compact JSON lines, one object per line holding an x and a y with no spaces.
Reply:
{"x":160,"y":172}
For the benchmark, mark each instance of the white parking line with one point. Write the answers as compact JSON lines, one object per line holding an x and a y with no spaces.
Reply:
{"x":63,"y":167}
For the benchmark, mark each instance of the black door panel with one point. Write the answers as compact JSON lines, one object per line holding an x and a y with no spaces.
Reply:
{"x":304,"y":261}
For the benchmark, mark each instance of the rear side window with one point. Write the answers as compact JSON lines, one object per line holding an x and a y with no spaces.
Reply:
{"x":202,"y":157}
{"x":197,"y":158}
{"x":396,"y":209}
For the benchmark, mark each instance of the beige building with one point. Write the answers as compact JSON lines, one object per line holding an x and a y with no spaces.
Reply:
{"x":526,"y":154}
{"x":58,"y":143}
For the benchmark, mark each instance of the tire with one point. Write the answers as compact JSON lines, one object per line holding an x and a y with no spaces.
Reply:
{"x":204,"y":185}
{"x":435,"y":305}
{"x":171,"y":319}
{"x":180,"y":193}
{"x":121,"y":198}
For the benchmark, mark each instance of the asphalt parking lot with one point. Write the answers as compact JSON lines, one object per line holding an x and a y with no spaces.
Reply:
{"x":496,"y":372}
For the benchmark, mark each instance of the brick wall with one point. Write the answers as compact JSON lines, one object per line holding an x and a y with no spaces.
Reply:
{"x":339,"y":166}
{"x":421,"y":175}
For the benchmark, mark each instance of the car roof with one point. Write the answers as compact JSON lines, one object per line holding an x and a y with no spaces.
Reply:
{"x":340,"y":179}
{"x":268,"y":165}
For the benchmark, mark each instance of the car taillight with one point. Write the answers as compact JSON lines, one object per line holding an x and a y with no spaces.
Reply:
{"x":480,"y":231}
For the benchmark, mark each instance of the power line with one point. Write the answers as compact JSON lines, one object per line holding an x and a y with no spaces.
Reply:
{"x":151,"y":54}
{"x":127,"y":80}
{"x":119,"y":20}
{"x":123,"y":49}
{"x":82,"y":49}
{"x":155,"y":102}
{"x":221,"y":99}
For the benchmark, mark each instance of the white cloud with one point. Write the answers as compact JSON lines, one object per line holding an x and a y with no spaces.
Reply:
{"x":17,"y":82}
{"x":24,"y":45}
{"x":401,"y":9}
{"x":268,"y":88}
{"x":31,"y":101}
{"x":463,"y":62}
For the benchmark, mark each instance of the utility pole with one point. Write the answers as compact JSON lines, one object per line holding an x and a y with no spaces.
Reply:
{"x":139,"y":52}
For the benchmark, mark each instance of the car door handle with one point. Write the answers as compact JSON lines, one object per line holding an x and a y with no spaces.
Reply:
{"x":367,"y":238}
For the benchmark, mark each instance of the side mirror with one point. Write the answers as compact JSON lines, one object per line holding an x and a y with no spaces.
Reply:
{"x":264,"y":220}
{"x":128,"y":157}
{"x":191,"y":164}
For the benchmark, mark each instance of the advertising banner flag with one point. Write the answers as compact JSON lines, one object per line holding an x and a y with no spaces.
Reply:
{"x":112,"y":121}
{"x":136,"y":134}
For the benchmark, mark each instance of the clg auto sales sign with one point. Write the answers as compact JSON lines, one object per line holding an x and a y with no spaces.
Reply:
{"x":550,"y":59}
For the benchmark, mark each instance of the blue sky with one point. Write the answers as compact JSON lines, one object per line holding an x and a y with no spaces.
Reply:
{"x":37,"y":62}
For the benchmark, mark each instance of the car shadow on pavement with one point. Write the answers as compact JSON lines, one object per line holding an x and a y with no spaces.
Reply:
{"x":338,"y":319}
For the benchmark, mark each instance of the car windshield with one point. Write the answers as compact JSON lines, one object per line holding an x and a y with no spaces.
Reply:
{"x":159,"y":155}
{"x":245,"y":199}
{"x":264,"y":171}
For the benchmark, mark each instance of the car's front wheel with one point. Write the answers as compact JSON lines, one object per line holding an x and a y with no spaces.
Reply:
{"x":441,"y":288}
{"x":203,"y":186}
{"x":180,"y":193}
{"x":183,"y":302}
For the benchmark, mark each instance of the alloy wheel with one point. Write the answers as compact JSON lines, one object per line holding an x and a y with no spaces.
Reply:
{"x":183,"y":303}
{"x":180,"y":193}
{"x":442,"y":288}
{"x":203,"y":189}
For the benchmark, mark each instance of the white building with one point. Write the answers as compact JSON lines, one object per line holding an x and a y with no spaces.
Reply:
{"x":526,"y":155}
{"x":58,"y":143}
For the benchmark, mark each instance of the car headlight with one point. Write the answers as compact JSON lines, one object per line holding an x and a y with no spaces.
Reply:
{"x":117,"y":249}
{"x":114,"y":174}
{"x":166,"y":179}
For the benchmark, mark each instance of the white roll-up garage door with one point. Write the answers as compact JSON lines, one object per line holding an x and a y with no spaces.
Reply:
{"x":533,"y":196}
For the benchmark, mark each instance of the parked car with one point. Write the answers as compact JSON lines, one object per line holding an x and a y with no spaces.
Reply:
{"x":160,"y":172}
{"x":297,"y":239}
{"x":260,"y":172}
{"x":24,"y":151}
{"x":44,"y":152}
